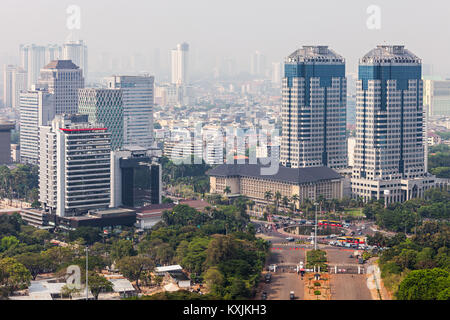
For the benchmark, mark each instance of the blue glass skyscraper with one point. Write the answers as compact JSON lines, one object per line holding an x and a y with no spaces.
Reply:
{"x":389,"y":152}
{"x":314,"y":109}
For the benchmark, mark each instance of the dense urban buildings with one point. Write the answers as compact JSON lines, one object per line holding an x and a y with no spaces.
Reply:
{"x":389,"y":152}
{"x":74,"y":166}
{"x":37,"y":109}
{"x":247,"y":180}
{"x":137,"y":97}
{"x":104,"y":106}
{"x":314,"y":109}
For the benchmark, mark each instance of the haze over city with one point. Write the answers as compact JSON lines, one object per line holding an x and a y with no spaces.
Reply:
{"x":221,"y":29}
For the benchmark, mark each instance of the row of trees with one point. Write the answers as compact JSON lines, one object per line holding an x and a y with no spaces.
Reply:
{"x":21,"y":182}
{"x":406,"y":217}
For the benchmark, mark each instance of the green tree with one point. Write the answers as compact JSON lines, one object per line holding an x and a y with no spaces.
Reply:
{"x":13,"y":276}
{"x":423,"y":284}
{"x":98,"y":283}
{"x":122,"y":248}
{"x":133,"y":267}
{"x":35,"y":262}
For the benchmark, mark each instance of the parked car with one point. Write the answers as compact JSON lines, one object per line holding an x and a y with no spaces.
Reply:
{"x":264,"y":296}
{"x":268,"y":277}
{"x":292,"y":295}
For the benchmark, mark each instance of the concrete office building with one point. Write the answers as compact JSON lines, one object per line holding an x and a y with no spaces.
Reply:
{"x":314,"y":109}
{"x":62,"y":78}
{"x":137,"y":96}
{"x":135,"y":178}
{"x":5,"y":140}
{"x":74,"y":166}
{"x":36,"y":109}
{"x":389,"y":153}
{"x":104,"y":106}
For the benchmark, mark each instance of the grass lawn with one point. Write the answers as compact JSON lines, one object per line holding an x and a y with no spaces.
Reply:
{"x":355,"y":212}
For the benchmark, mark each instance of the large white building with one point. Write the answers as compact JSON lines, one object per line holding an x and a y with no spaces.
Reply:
{"x":179,"y":63}
{"x":314,"y":109}
{"x":36,"y":109}
{"x":77,"y":51}
{"x":62,"y":78}
{"x":137,"y":95}
{"x":74,"y":166}
{"x":389,"y":153}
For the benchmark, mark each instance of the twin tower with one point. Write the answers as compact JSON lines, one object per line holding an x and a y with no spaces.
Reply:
{"x":390,"y":130}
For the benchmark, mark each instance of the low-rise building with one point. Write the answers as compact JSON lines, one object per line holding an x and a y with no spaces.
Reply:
{"x":248,"y":180}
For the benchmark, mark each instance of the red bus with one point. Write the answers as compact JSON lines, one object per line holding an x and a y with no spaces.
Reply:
{"x":330,"y":223}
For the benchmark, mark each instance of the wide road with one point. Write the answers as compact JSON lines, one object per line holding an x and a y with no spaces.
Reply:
{"x":285,"y":279}
{"x":346,"y":286}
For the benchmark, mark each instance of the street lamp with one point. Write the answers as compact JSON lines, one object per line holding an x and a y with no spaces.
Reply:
{"x":315,"y":227}
{"x":87,"y":273}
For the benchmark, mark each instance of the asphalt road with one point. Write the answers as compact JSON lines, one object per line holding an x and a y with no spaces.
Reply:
{"x":285,"y":279}
{"x":349,"y":287}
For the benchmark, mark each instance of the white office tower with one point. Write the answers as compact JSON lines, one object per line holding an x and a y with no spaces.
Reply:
{"x":32,"y":58}
{"x":213,"y":141}
{"x":137,"y":97}
{"x":314,"y":93}
{"x":179,"y":64}
{"x":36,"y":109}
{"x":74,"y":166}
{"x":77,"y":52}
{"x":389,"y":152}
{"x":63,"y":78}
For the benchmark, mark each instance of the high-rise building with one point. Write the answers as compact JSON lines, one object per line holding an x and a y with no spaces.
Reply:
{"x":180,"y":67}
{"x":276,"y":74}
{"x":63,"y":78}
{"x":135,"y":178}
{"x":104,"y":106}
{"x":137,"y":96}
{"x":74,"y":166}
{"x":314,"y":109}
{"x":8,"y":71}
{"x":14,"y":82}
{"x":32,"y":59}
{"x":53,"y":52}
{"x":257,"y":64}
{"x":437,"y":97}
{"x":389,"y":152}
{"x":36,"y":109}
{"x":77,"y":52}
{"x":5,"y":140}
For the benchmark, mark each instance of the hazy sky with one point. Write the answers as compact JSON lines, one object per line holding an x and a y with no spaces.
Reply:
{"x":233,"y":27}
